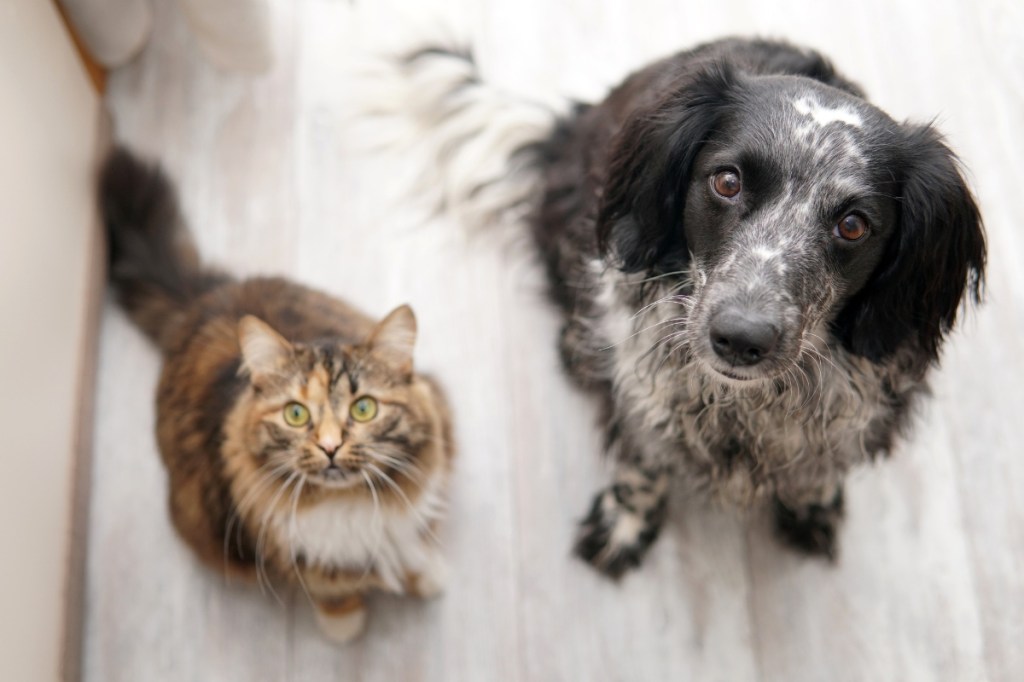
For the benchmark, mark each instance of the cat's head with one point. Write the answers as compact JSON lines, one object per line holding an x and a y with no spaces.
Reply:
{"x":336,"y":415}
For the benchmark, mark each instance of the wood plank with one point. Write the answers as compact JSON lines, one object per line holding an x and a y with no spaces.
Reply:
{"x":276,"y":178}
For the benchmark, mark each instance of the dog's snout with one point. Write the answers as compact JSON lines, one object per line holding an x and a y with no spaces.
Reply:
{"x":743,"y":337}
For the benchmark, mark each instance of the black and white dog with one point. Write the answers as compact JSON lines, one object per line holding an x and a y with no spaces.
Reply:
{"x":756,"y":266}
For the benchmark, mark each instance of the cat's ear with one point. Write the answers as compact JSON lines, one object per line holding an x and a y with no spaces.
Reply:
{"x":393,"y":339}
{"x":264,"y":351}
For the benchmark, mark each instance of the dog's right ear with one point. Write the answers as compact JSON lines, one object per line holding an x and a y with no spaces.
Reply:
{"x":640,"y":221}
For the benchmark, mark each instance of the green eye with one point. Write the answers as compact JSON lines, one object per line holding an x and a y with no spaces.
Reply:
{"x":364,"y":409}
{"x":296,"y":414}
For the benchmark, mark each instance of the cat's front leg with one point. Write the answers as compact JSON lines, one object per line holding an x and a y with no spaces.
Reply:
{"x":341,"y":619}
{"x":625,"y":518}
{"x":428,"y":581}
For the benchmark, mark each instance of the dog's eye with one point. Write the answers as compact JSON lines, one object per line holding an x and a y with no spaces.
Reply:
{"x":851,"y":228}
{"x":726,"y":183}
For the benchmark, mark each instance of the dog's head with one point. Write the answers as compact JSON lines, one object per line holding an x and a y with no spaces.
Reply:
{"x":799,"y":210}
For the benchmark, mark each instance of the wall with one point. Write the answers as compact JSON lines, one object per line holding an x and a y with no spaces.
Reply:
{"x":49,"y":122}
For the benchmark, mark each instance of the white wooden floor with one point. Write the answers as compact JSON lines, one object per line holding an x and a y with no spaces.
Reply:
{"x":931,"y":581}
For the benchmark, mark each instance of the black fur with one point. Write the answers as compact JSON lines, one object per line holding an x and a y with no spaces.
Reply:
{"x":937,"y":256}
{"x":154,"y":266}
{"x":646,"y":259}
{"x":595,"y":533}
{"x":620,"y":181}
{"x":811,"y":529}
{"x":640,"y":216}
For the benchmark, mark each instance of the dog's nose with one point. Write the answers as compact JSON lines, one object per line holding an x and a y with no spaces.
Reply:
{"x":743,"y":337}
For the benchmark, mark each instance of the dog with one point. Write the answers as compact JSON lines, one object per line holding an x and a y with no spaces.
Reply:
{"x":756,"y":267}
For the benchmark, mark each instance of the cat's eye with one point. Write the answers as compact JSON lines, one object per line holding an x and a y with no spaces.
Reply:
{"x":364,"y":409}
{"x":296,"y":414}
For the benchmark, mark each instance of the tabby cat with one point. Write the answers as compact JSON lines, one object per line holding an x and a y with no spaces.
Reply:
{"x":301,"y":447}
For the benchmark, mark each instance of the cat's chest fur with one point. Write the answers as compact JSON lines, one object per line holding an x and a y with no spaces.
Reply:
{"x":392,"y":539}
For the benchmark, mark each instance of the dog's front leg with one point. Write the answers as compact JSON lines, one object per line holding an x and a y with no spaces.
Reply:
{"x":625,"y":517}
{"x":809,"y":521}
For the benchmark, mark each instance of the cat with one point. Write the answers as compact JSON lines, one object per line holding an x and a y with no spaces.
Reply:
{"x":300,"y":445}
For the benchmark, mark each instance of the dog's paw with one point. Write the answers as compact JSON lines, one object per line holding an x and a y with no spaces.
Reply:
{"x":614,"y":537}
{"x":812,"y":529}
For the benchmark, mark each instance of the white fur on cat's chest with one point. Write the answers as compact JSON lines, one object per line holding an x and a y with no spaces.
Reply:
{"x":352,"y":535}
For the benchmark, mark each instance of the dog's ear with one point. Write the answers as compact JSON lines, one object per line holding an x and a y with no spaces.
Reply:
{"x":640,"y":220}
{"x":934,"y":258}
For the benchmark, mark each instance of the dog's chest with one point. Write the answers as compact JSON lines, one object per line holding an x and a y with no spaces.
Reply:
{"x":741,"y":448}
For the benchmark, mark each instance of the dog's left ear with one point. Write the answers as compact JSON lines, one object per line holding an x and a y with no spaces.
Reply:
{"x":936,"y":255}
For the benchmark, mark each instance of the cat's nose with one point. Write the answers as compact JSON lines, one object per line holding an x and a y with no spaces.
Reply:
{"x":329,"y":447}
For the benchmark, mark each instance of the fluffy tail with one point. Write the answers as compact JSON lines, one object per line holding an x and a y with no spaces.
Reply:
{"x":154,"y":266}
{"x":479,"y":144}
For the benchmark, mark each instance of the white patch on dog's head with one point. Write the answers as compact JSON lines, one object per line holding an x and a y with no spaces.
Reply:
{"x":823,"y":115}
{"x":814,"y":130}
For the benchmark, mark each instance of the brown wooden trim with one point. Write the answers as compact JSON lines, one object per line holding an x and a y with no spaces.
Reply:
{"x":97,"y":74}
{"x":74,"y":592}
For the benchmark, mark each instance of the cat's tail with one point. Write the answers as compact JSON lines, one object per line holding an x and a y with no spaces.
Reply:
{"x":478,"y":147}
{"x":154,"y":266}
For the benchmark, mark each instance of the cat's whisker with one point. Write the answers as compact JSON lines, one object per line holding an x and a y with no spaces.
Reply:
{"x":293,"y":533}
{"x":261,"y":559}
{"x":376,"y":520}
{"x":423,"y":523}
{"x":438,"y":440}
{"x":405,"y":467}
{"x":264,"y":479}
{"x":402,"y":454}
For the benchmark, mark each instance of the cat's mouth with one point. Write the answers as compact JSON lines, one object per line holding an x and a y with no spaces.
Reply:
{"x":333,"y":476}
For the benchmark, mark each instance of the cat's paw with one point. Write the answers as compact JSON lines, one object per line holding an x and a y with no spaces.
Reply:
{"x":341,"y":620}
{"x":614,"y":537}
{"x":430,"y":582}
{"x":811,"y":529}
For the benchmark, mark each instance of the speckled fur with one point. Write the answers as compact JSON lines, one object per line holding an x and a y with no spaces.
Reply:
{"x":638,"y":255}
